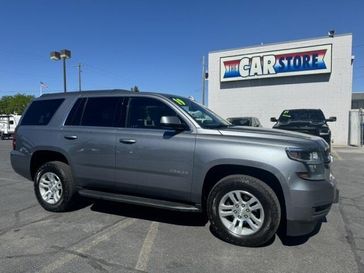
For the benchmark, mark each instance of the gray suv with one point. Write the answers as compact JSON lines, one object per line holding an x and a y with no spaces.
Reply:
{"x":170,"y":152}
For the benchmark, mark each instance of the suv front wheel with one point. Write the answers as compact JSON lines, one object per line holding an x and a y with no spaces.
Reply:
{"x":243,"y":210}
{"x":54,"y":186}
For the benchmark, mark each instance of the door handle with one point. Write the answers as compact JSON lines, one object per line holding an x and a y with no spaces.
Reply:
{"x":127,"y":141}
{"x":71,"y":137}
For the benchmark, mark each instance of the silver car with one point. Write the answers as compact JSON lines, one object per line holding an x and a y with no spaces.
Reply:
{"x":170,"y":152}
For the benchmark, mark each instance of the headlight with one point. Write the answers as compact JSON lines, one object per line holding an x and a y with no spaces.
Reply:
{"x":324,"y":131}
{"x":302,"y":155}
{"x":313,"y":162}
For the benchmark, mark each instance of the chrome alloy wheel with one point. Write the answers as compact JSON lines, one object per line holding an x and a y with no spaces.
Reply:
{"x":50,"y":187}
{"x":241,"y":212}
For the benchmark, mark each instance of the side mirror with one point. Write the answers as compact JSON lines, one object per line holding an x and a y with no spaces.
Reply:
{"x":331,"y":119}
{"x":273,"y":119}
{"x":172,"y":122}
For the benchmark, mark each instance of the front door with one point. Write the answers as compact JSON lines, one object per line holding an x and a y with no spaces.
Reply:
{"x":150,"y":160}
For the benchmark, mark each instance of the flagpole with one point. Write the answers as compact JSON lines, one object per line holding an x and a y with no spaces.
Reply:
{"x":41,"y":90}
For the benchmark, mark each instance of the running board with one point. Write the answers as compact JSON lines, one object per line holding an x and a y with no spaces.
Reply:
{"x":136,"y":200}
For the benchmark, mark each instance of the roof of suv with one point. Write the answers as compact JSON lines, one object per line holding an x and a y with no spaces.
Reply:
{"x":303,"y":109}
{"x":100,"y":93}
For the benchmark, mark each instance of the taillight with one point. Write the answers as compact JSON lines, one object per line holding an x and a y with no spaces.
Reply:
{"x":14,"y":141}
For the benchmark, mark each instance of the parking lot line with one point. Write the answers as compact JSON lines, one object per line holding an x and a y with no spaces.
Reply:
{"x":144,"y":255}
{"x":98,"y":238}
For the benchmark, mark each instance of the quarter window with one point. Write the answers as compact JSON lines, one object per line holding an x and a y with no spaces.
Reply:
{"x":40,"y":112}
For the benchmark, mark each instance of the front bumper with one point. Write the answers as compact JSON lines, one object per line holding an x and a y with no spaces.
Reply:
{"x":311,"y":202}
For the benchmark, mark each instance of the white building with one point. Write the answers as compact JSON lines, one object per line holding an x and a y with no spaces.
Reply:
{"x":262,"y":81}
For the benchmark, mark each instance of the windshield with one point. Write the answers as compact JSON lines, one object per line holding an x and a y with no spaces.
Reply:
{"x":202,"y":115}
{"x":302,"y":115}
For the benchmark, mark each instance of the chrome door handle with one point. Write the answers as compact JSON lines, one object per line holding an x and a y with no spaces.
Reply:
{"x":127,"y":141}
{"x":70,"y":137}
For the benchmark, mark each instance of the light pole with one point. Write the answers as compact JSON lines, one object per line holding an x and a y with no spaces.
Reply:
{"x":63,"y":54}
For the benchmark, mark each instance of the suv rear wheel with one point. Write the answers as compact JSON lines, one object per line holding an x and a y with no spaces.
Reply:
{"x":54,"y":187}
{"x":243,"y":210}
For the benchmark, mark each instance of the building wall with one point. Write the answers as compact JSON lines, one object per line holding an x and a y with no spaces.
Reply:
{"x":265,"y":98}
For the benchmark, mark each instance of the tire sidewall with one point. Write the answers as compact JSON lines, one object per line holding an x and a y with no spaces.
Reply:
{"x":255,"y":187}
{"x":61,"y":173}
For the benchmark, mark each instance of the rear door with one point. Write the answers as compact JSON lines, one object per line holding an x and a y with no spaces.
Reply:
{"x":150,"y":160}
{"x":89,"y":135}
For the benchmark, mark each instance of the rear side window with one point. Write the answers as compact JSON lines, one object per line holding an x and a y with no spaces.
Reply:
{"x":75,"y":116}
{"x":40,"y":112}
{"x":101,"y":111}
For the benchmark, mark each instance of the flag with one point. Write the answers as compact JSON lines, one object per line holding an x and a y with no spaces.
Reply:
{"x":43,"y":85}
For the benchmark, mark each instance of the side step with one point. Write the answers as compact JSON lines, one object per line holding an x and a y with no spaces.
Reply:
{"x":136,"y":200}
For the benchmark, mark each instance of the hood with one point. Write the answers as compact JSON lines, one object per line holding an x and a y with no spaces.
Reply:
{"x":273,"y":136}
{"x":300,"y":125}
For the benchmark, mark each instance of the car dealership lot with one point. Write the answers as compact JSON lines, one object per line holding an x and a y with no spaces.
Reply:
{"x":104,"y":236}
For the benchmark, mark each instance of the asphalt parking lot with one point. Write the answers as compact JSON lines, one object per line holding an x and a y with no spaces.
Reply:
{"x":113,"y":237}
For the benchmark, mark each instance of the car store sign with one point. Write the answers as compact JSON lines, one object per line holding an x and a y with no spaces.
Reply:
{"x":279,"y":63}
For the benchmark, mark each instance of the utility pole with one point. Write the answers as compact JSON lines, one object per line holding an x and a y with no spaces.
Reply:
{"x":79,"y":76}
{"x":64,"y":75}
{"x":203,"y":80}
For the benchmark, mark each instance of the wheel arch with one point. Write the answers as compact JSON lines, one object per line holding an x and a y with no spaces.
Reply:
{"x":42,"y":156}
{"x":217,"y":172}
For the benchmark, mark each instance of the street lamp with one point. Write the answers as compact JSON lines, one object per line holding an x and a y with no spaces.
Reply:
{"x":63,"y":54}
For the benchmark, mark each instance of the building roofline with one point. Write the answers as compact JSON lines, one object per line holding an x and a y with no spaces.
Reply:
{"x":278,"y":43}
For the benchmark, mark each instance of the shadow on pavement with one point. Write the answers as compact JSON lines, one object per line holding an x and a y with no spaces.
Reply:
{"x":184,"y":219}
{"x":151,"y":214}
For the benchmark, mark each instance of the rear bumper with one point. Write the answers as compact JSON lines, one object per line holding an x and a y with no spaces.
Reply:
{"x":20,"y":163}
{"x":312,"y":201}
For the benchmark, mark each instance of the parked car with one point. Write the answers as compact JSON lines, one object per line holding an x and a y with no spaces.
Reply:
{"x":8,"y":124}
{"x":170,"y":152}
{"x":308,"y":121}
{"x":245,"y":121}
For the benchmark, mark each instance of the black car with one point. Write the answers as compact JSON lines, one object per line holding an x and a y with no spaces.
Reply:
{"x":308,"y":121}
{"x":245,"y":121}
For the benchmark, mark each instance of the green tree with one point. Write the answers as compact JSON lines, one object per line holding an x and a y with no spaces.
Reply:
{"x":14,"y":104}
{"x":135,"y":89}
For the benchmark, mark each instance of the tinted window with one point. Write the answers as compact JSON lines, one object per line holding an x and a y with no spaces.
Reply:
{"x":101,"y":111}
{"x":40,"y":112}
{"x":74,"y":117}
{"x":240,"y":121}
{"x":147,"y":113}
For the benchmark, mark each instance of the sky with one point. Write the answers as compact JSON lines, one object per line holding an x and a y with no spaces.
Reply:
{"x":156,"y":45}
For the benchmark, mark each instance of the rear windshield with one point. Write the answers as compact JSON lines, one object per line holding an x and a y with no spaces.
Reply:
{"x":302,"y":115}
{"x":40,"y":112}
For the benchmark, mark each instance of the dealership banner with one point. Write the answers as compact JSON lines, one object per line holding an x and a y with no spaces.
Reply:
{"x":277,"y":63}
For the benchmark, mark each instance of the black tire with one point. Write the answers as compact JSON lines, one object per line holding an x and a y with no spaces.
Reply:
{"x":260,"y":190}
{"x":63,"y":171}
